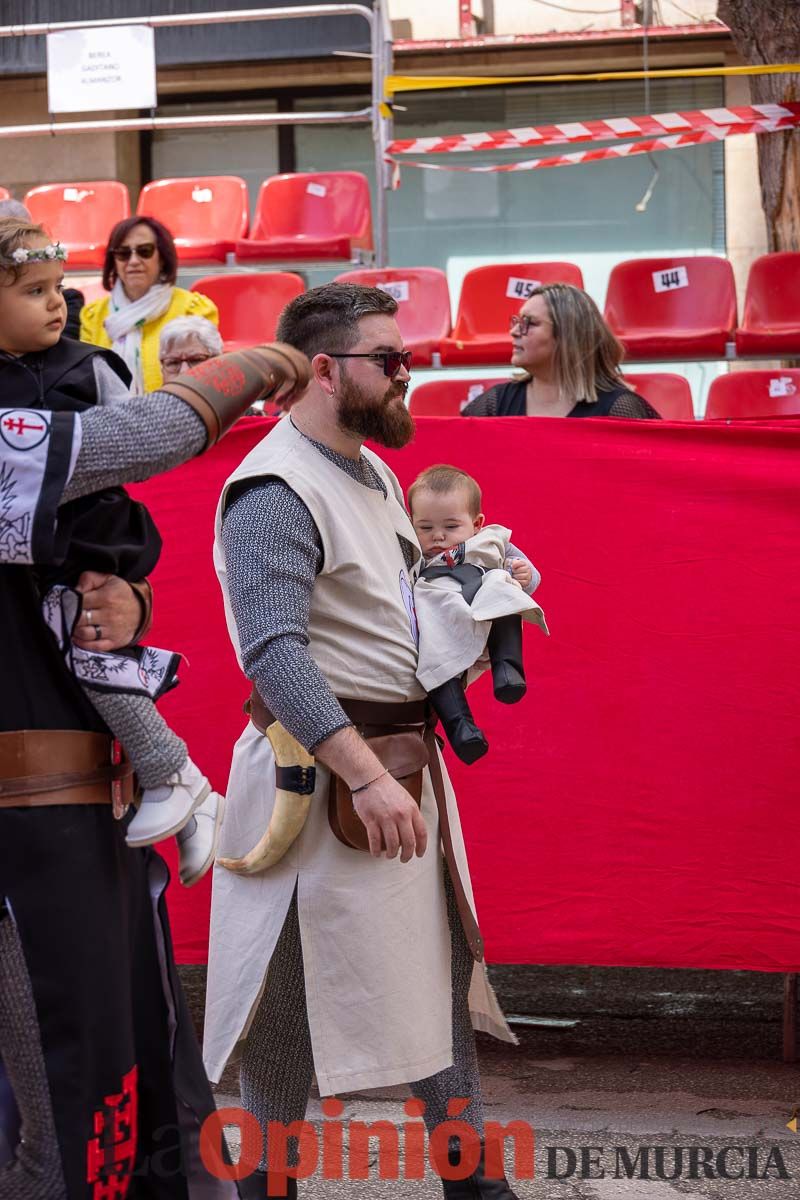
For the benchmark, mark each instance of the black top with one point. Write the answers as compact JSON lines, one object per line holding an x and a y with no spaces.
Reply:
{"x":106,"y":532}
{"x":508,"y":400}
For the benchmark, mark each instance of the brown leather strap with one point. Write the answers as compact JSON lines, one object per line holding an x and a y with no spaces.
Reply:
{"x":223,"y":388}
{"x":40,"y":767}
{"x":468,"y":922}
{"x":376,"y":720}
{"x":372,"y":718}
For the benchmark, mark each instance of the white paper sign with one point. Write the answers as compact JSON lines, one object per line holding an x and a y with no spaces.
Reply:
{"x":398,"y":289}
{"x":316,"y":189}
{"x":202,"y":195}
{"x":669,"y":280}
{"x":782,"y":385}
{"x":521,"y":289}
{"x":93,"y":69}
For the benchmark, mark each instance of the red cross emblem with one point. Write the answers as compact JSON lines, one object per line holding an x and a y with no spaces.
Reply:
{"x":22,"y":429}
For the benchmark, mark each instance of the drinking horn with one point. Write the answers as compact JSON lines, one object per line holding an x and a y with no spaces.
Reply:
{"x":295,"y":779}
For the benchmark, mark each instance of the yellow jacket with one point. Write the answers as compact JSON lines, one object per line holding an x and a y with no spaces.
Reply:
{"x":183,"y":304}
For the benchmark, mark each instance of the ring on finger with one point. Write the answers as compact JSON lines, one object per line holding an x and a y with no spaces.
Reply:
{"x":98,"y":633}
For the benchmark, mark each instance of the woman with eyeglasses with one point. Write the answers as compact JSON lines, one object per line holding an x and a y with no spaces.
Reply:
{"x":570,"y":361}
{"x":187,"y":342}
{"x":140,"y":270}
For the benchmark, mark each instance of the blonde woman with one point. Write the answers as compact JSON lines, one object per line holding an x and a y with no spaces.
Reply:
{"x":570,"y":362}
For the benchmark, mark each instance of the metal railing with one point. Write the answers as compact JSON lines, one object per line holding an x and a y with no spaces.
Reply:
{"x":381,"y":64}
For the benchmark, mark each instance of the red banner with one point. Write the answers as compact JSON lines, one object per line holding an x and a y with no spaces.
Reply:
{"x":637,"y":807}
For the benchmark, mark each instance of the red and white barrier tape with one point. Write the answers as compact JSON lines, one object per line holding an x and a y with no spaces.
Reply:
{"x":626,"y":150}
{"x":602,"y":130}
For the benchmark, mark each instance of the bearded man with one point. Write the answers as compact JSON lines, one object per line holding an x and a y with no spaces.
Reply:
{"x":363,"y":965}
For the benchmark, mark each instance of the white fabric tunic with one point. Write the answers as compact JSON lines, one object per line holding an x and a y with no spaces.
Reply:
{"x":453,"y":633}
{"x":374,"y":932}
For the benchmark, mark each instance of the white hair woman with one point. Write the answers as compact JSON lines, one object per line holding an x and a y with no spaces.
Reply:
{"x":570,"y":361}
{"x":185,"y":343}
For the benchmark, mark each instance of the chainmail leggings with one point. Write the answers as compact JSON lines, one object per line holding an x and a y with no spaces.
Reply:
{"x":155,"y":751}
{"x":34,"y":1170}
{"x":277,"y":1064}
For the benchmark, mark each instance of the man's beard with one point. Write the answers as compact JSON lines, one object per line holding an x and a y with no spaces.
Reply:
{"x":384,"y":421}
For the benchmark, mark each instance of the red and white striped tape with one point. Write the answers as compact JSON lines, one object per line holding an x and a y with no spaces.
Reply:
{"x":775,"y":115}
{"x":625,"y":150}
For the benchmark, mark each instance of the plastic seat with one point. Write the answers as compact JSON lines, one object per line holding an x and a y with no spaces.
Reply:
{"x":249,"y":304}
{"x":81,"y":216}
{"x":672,"y":307}
{"x":754,"y":394}
{"x":447,"y":397}
{"x":771,"y":319}
{"x":206,"y":214}
{"x":325,"y":215}
{"x":5,"y":194}
{"x":670,"y":395}
{"x":489,"y":298}
{"x":423,"y":305}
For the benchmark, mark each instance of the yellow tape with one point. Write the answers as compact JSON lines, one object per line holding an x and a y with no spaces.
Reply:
{"x":421,"y":83}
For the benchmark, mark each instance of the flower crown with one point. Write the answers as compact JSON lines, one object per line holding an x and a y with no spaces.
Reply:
{"x":55,"y":252}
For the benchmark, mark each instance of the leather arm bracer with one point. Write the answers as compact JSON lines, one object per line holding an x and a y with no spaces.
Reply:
{"x":223,"y":388}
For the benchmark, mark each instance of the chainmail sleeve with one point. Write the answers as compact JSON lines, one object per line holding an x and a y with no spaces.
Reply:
{"x":125,"y":443}
{"x":273,"y":554}
{"x":634,"y":407}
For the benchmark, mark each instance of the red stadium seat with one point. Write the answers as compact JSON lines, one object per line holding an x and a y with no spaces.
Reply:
{"x":325,"y":215}
{"x":206,"y":214}
{"x":80,"y":215}
{"x":5,"y":194}
{"x":447,"y":397}
{"x":423,"y":305}
{"x":670,"y":395}
{"x":249,"y":304}
{"x":489,"y":298}
{"x":672,"y":307}
{"x":771,"y":320}
{"x":754,"y":394}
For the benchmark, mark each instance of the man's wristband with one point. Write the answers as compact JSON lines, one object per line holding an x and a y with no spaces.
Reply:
{"x":143,"y":592}
{"x":364,"y":786}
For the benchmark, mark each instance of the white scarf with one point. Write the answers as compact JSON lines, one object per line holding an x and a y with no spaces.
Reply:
{"x":125,"y":321}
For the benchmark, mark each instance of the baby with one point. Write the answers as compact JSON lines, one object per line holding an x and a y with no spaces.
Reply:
{"x":473,"y":587}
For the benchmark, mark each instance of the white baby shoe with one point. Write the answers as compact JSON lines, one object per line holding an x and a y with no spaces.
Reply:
{"x":197,"y":841}
{"x":164,"y":810}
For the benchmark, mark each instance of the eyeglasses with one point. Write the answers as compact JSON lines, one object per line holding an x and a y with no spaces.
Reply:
{"x":146,"y":250}
{"x":175,"y":364}
{"x":520,"y":325}
{"x":392,"y":360}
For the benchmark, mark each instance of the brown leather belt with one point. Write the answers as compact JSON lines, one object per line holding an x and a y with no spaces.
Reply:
{"x":374,"y":719}
{"x":41,"y":767}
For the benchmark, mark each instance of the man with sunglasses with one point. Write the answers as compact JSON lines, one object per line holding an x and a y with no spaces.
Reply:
{"x":353,"y":955}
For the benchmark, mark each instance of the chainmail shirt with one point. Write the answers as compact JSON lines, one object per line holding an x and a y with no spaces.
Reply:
{"x":124,"y":443}
{"x":273,"y":554}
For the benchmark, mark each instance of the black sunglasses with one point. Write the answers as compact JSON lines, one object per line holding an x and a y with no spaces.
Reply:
{"x":146,"y":250}
{"x":392,"y":360}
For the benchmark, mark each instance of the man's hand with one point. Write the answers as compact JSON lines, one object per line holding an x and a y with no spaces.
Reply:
{"x":111,"y":612}
{"x":520,"y":571}
{"x":392,"y":819}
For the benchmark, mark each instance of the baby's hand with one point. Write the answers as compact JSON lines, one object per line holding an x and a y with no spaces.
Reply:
{"x":521,"y":571}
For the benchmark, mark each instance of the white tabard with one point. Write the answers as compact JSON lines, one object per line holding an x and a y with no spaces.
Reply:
{"x":375,"y":938}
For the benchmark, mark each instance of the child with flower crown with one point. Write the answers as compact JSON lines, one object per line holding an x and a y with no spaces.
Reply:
{"x":110,"y":533}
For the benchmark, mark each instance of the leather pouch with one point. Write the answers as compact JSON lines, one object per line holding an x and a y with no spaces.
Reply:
{"x":405,"y":756}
